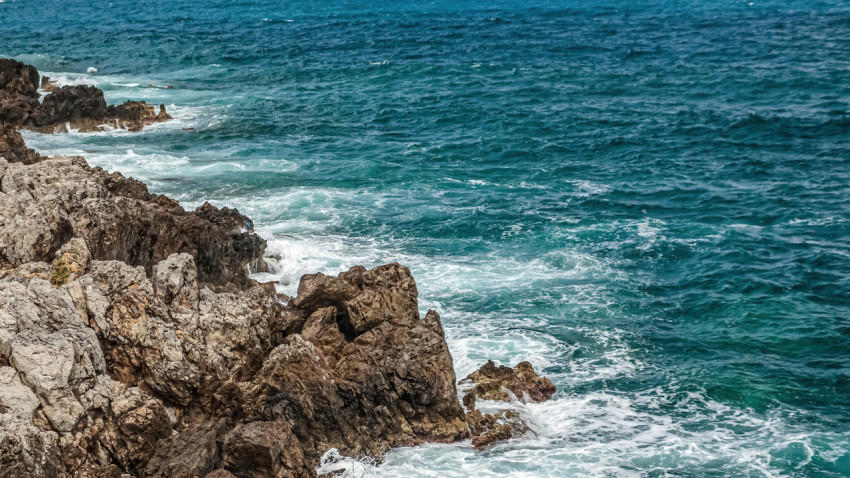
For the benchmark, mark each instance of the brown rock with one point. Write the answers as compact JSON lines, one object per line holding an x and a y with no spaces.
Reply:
{"x":72,"y":104}
{"x":262,"y":450}
{"x":162,"y":115}
{"x":193,"y":452}
{"x":488,"y":429}
{"x":18,"y":79}
{"x":12,"y":147}
{"x":220,"y":474}
{"x":132,"y":115}
{"x":145,"y":349}
{"x":495,"y":383}
{"x":47,"y":84}
{"x":118,"y":220}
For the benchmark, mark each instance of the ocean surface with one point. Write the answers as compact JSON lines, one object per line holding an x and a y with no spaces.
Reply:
{"x":650,"y":201}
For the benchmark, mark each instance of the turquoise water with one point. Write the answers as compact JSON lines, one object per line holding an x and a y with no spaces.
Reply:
{"x":650,"y":201}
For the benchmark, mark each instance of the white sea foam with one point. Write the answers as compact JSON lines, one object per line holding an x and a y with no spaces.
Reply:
{"x":332,"y":462}
{"x":71,"y":79}
{"x":602,"y":432}
{"x":597,"y":433}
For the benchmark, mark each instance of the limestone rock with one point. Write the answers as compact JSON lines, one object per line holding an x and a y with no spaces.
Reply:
{"x":132,"y":341}
{"x":72,"y":260}
{"x":262,"y":450}
{"x":44,"y":205}
{"x":220,"y":474}
{"x":193,"y":452}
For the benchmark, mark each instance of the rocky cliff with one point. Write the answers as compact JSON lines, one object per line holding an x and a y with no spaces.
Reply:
{"x":133,"y":342}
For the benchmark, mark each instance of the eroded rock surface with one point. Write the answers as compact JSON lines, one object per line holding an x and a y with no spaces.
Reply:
{"x":12,"y":147}
{"x":125,"y":366}
{"x":158,"y":376}
{"x":45,"y":204}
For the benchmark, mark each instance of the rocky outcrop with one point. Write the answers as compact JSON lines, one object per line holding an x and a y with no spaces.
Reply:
{"x":502,"y":384}
{"x":133,"y":342}
{"x":18,"y":80}
{"x":161,"y":377}
{"x":12,"y":147}
{"x":44,"y":204}
{"x":113,"y":364}
{"x":505,"y":384}
{"x":80,"y":108}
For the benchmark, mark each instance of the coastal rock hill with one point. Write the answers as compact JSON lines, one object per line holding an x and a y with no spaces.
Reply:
{"x":133,"y":343}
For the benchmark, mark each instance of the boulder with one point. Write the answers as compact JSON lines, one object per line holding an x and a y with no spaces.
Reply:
{"x":505,"y":383}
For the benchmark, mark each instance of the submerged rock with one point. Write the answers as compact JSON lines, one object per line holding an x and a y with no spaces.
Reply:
{"x":487,"y":429}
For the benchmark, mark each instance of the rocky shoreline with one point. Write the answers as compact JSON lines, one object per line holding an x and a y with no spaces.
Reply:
{"x":134,"y":343}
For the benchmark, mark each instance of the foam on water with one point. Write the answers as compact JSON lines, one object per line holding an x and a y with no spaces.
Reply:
{"x":584,"y":187}
{"x":604,"y":434}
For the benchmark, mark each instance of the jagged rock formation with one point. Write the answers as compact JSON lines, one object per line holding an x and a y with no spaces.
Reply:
{"x":12,"y":147}
{"x":138,"y":366}
{"x":81,"y":107}
{"x":159,"y":377}
{"x":503,"y":384}
{"x":132,"y":341}
{"x":45,"y":204}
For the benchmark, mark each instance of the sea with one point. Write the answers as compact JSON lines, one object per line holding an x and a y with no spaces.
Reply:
{"x":647,"y":200}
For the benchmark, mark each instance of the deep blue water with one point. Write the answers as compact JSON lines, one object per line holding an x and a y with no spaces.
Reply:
{"x":648,"y":200}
